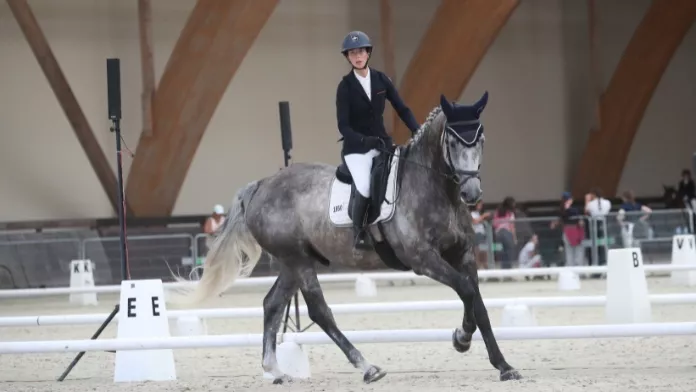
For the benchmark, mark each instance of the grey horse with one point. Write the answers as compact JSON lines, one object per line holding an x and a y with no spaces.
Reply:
{"x":429,"y":232}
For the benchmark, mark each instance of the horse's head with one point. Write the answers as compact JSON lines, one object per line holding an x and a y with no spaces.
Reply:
{"x":462,"y":145}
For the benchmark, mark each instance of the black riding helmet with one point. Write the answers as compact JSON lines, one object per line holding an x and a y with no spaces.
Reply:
{"x":355,"y":40}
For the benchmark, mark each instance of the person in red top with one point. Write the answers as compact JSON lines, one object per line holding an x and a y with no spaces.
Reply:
{"x":504,"y":231}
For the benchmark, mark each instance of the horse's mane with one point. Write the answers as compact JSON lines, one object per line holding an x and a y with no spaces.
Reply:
{"x":425,"y":143}
{"x":426,"y":126}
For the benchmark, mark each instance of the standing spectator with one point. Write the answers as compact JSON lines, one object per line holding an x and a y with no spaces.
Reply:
{"x":686,"y":190}
{"x":214,"y":221}
{"x":597,"y":208}
{"x":572,"y":222}
{"x":211,"y":226}
{"x":477,"y":218}
{"x":504,"y":228}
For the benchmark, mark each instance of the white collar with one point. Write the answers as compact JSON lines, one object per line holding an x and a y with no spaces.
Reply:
{"x":357,"y":75}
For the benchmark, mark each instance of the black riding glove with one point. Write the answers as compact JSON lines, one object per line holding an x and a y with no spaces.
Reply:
{"x":372,"y":142}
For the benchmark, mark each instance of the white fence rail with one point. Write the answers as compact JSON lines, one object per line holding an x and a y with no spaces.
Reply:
{"x":367,"y":336}
{"x":356,"y":308}
{"x":345,"y":277}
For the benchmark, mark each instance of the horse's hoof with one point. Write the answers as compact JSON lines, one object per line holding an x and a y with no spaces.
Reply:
{"x":510,"y":374}
{"x":373,"y":374}
{"x":282,"y":380}
{"x":460,"y":341}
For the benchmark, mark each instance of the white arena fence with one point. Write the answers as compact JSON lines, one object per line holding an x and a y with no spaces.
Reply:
{"x":357,"y":337}
{"x":267,"y":281}
{"x":355,"y":308}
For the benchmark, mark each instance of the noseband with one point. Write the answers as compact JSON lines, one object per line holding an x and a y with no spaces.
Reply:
{"x":460,"y":177}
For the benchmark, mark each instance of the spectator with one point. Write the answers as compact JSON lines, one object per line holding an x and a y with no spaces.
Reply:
{"x":686,"y":190}
{"x":214,"y":221}
{"x":504,"y":228}
{"x":597,"y":208}
{"x":477,"y":218}
{"x":628,"y":217}
{"x":529,"y":257}
{"x":573,"y":231}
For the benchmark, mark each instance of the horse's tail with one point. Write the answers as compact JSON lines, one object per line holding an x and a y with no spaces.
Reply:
{"x":233,"y":252}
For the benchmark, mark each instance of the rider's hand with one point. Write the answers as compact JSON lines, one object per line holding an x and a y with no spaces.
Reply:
{"x":372,"y":142}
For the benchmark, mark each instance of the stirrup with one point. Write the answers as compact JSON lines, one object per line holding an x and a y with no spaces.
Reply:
{"x":361,"y":240}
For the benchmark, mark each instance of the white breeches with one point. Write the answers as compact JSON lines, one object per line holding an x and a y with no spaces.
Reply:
{"x":360,"y":166}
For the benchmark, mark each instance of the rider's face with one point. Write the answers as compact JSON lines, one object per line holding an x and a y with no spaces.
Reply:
{"x":358,"y":57}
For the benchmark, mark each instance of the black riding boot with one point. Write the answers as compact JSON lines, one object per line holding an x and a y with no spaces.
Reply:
{"x":360,"y":204}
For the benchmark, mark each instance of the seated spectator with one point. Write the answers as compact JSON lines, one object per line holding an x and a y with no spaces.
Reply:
{"x":529,"y":257}
{"x":628,"y":217}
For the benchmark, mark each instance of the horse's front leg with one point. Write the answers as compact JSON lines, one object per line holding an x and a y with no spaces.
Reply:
{"x":461,"y":337}
{"x":440,"y":268}
{"x":480,"y":315}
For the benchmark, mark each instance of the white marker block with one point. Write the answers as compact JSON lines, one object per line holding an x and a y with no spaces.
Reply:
{"x":365,"y":287}
{"x":82,"y":276}
{"x":568,"y":281}
{"x":143,"y":314}
{"x":518,"y":315}
{"x":684,"y":253}
{"x":191,"y":326}
{"x":292,"y":360}
{"x":627,"y":289}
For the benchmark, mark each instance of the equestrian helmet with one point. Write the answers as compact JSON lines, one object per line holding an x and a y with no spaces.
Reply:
{"x":355,"y":40}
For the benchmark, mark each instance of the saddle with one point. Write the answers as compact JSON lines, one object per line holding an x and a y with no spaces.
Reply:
{"x":379,"y":176}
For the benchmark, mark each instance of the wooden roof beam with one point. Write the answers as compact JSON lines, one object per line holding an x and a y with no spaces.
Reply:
{"x":210,"y":49}
{"x":459,"y":35}
{"x":147,"y":63}
{"x":66,"y":98}
{"x":628,"y":94}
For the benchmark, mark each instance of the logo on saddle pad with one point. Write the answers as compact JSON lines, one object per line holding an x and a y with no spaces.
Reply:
{"x":339,"y":198}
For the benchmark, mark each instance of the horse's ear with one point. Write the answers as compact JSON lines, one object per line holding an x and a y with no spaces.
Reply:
{"x":481,"y":104}
{"x":446,"y":105}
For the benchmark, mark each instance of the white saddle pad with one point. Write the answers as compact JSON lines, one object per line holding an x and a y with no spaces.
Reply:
{"x":340,"y":196}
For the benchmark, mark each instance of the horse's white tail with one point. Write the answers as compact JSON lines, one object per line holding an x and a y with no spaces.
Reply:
{"x":232,"y":253}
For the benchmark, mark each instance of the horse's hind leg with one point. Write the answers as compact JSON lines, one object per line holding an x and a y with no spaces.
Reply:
{"x":274,"y":304}
{"x":319,"y":312}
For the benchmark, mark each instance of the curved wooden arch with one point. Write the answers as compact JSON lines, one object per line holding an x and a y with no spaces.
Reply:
{"x":459,"y":35}
{"x":623,"y":104}
{"x":216,"y":38}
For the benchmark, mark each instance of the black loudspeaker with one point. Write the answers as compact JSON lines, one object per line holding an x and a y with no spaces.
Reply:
{"x":113,"y":81}
{"x":285,"y":129}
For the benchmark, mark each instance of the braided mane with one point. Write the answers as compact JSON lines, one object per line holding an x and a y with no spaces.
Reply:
{"x":427,"y":124}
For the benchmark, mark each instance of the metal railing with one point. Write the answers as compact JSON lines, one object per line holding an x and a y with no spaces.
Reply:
{"x":44,"y":262}
{"x":651,"y":232}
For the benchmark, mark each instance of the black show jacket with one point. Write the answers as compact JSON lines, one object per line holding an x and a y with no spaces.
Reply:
{"x":359,"y":117}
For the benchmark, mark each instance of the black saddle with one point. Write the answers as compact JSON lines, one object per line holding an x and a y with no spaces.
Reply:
{"x":379,"y":176}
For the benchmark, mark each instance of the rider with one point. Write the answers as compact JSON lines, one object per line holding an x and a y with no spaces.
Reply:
{"x":359,"y":110}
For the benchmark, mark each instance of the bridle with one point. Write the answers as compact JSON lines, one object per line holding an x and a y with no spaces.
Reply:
{"x":460,"y":177}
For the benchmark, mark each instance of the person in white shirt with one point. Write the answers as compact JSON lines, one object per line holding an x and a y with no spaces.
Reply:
{"x":478,"y":217}
{"x":529,"y":258}
{"x":598,"y":207}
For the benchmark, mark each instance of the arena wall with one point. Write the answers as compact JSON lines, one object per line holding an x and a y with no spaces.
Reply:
{"x":537,"y":74}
